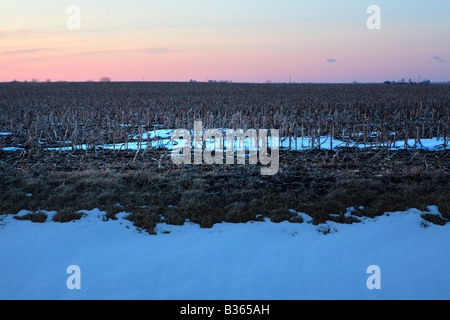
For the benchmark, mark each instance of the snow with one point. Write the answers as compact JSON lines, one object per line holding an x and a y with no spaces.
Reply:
{"x":155,"y":134}
{"x":326,"y":143}
{"x":11,"y":149}
{"x":254,"y":260}
{"x":162,"y":138}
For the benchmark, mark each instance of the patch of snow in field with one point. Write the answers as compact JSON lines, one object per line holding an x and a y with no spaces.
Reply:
{"x":155,"y":134}
{"x":254,"y":260}
{"x":161,"y":138}
{"x":11,"y":149}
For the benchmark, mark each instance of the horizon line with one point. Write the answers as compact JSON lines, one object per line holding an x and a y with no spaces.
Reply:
{"x":221,"y":82}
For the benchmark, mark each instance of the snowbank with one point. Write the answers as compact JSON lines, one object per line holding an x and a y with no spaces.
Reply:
{"x":255,"y":260}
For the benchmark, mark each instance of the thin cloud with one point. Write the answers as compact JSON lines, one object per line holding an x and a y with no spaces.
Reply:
{"x":21,"y":51}
{"x":19,"y":32}
{"x":15,"y":32}
{"x":331,"y":60}
{"x":156,"y":50}
{"x":439,"y":59}
{"x":146,"y":50}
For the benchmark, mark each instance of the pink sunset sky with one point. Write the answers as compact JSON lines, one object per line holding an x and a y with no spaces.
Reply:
{"x":242,"y":41}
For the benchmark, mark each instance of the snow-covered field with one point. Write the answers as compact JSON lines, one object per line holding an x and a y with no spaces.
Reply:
{"x":255,"y":260}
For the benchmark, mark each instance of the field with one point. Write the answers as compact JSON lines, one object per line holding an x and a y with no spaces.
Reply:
{"x":87,"y":178}
{"x":79,"y":146}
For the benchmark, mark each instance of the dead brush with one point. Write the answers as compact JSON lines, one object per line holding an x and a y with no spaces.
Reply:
{"x":202,"y":207}
{"x":241,"y":212}
{"x":38,"y":217}
{"x":67,"y":215}
{"x":145,"y":221}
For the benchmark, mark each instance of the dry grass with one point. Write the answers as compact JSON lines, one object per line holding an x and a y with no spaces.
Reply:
{"x":207,"y":195}
{"x":38,"y":217}
{"x":66,"y":215}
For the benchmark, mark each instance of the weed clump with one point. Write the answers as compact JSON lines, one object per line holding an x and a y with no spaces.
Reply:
{"x":38,"y":217}
{"x":67,"y":215}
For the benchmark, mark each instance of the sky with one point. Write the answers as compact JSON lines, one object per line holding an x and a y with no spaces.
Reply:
{"x":242,"y":41}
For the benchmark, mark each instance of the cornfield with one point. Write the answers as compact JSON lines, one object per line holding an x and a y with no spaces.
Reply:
{"x":36,"y":116}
